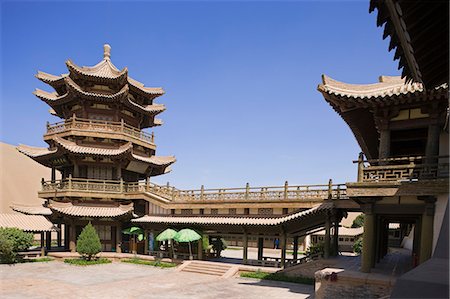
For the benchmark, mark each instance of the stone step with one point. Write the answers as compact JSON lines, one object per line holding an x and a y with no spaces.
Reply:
{"x":202,"y":271}
{"x":211,"y":266}
{"x":207,"y":269}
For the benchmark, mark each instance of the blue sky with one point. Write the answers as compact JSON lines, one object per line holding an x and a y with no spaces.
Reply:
{"x":240,"y":78}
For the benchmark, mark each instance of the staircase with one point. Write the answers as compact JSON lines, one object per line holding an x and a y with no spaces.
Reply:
{"x":209,"y":268}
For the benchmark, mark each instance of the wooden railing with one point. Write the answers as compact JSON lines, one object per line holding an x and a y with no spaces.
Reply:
{"x":402,"y":168}
{"x":82,"y":124}
{"x":303,"y":259}
{"x":286,"y":192}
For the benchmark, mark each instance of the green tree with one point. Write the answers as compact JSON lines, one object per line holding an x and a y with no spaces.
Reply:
{"x":88,"y":242}
{"x":317,"y":248}
{"x":359,"y":221}
{"x":13,"y":240}
{"x":357,"y":246}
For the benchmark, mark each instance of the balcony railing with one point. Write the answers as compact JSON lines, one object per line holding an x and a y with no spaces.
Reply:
{"x":286,"y":192}
{"x":403,"y":169}
{"x":82,"y":124}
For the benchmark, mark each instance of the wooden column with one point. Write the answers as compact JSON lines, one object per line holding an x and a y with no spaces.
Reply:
{"x":260,"y":248}
{"x":326,"y":245}
{"x":199,"y":249}
{"x":245,"y":248}
{"x":42,"y":244}
{"x":53,"y":177}
{"x":76,"y":172}
{"x":432,"y":148}
{"x":426,"y":235}
{"x":59,"y":236}
{"x":336,"y":237}
{"x":382,"y":122}
{"x":385,"y":143}
{"x":295,"y":253}
{"x":146,"y":242}
{"x":72,"y":237}
{"x":283,"y":238}
{"x":48,"y":240}
{"x":368,"y":250}
{"x":119,"y":171}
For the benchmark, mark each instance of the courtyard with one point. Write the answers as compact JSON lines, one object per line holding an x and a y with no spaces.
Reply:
{"x":119,"y":280}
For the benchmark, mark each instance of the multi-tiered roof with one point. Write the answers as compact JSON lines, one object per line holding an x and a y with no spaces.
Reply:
{"x":102,"y":83}
{"x":104,"y":111}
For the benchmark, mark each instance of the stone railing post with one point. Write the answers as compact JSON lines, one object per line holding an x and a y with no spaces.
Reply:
{"x":202,"y":191}
{"x":122,"y":125}
{"x":121,"y":185}
{"x":247,"y":190}
{"x":361,"y":167}
{"x":286,"y":186}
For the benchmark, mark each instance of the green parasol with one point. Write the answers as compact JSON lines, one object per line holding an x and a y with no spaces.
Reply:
{"x":168,"y":234}
{"x":187,"y":235}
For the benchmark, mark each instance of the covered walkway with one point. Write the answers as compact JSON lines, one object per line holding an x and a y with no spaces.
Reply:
{"x":292,"y":226}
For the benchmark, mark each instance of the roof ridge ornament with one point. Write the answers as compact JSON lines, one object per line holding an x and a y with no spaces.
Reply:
{"x":106,"y":51}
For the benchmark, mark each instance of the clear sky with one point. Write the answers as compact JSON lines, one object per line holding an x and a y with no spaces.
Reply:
{"x":240,"y":78}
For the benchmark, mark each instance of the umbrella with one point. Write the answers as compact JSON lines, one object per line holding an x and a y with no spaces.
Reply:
{"x":168,"y":234}
{"x":187,"y":235}
{"x":134,"y":231}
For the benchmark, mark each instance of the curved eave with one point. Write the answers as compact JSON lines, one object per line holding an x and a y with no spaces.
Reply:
{"x":31,"y":210}
{"x":75,"y":88}
{"x":147,"y":92}
{"x":151,"y":110}
{"x":51,"y":98}
{"x":103,"y":71}
{"x":52,"y":80}
{"x":90,"y":211}
{"x":94,"y":151}
{"x":389,"y":91}
{"x":230,"y":220}
{"x":163,"y":161}
{"x":35,"y":152}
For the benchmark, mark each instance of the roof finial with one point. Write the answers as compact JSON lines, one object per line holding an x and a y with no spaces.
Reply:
{"x":106,"y":51}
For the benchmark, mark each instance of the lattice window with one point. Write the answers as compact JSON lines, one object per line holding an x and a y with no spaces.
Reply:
{"x":232,"y":211}
{"x":265,"y":211}
{"x":214,"y":211}
{"x":186,"y":211}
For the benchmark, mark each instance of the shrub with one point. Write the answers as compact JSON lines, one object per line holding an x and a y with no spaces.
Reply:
{"x":359,"y":221}
{"x":88,"y":242}
{"x":155,"y":263}
{"x":83,"y":262}
{"x":315,"y":248}
{"x":278,"y":277}
{"x":13,"y":240}
{"x":357,"y":246}
{"x":218,"y":244}
{"x":7,"y":254}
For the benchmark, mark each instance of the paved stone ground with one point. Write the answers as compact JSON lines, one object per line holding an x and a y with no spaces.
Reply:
{"x":119,"y":280}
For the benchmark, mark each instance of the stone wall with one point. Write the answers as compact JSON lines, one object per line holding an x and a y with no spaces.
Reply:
{"x":337,"y":283}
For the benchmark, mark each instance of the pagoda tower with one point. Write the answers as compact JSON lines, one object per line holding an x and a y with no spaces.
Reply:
{"x":104,"y":157}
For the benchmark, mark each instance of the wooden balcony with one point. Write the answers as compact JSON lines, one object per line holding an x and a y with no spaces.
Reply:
{"x":121,"y":189}
{"x":102,"y":129}
{"x":403,"y":169}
